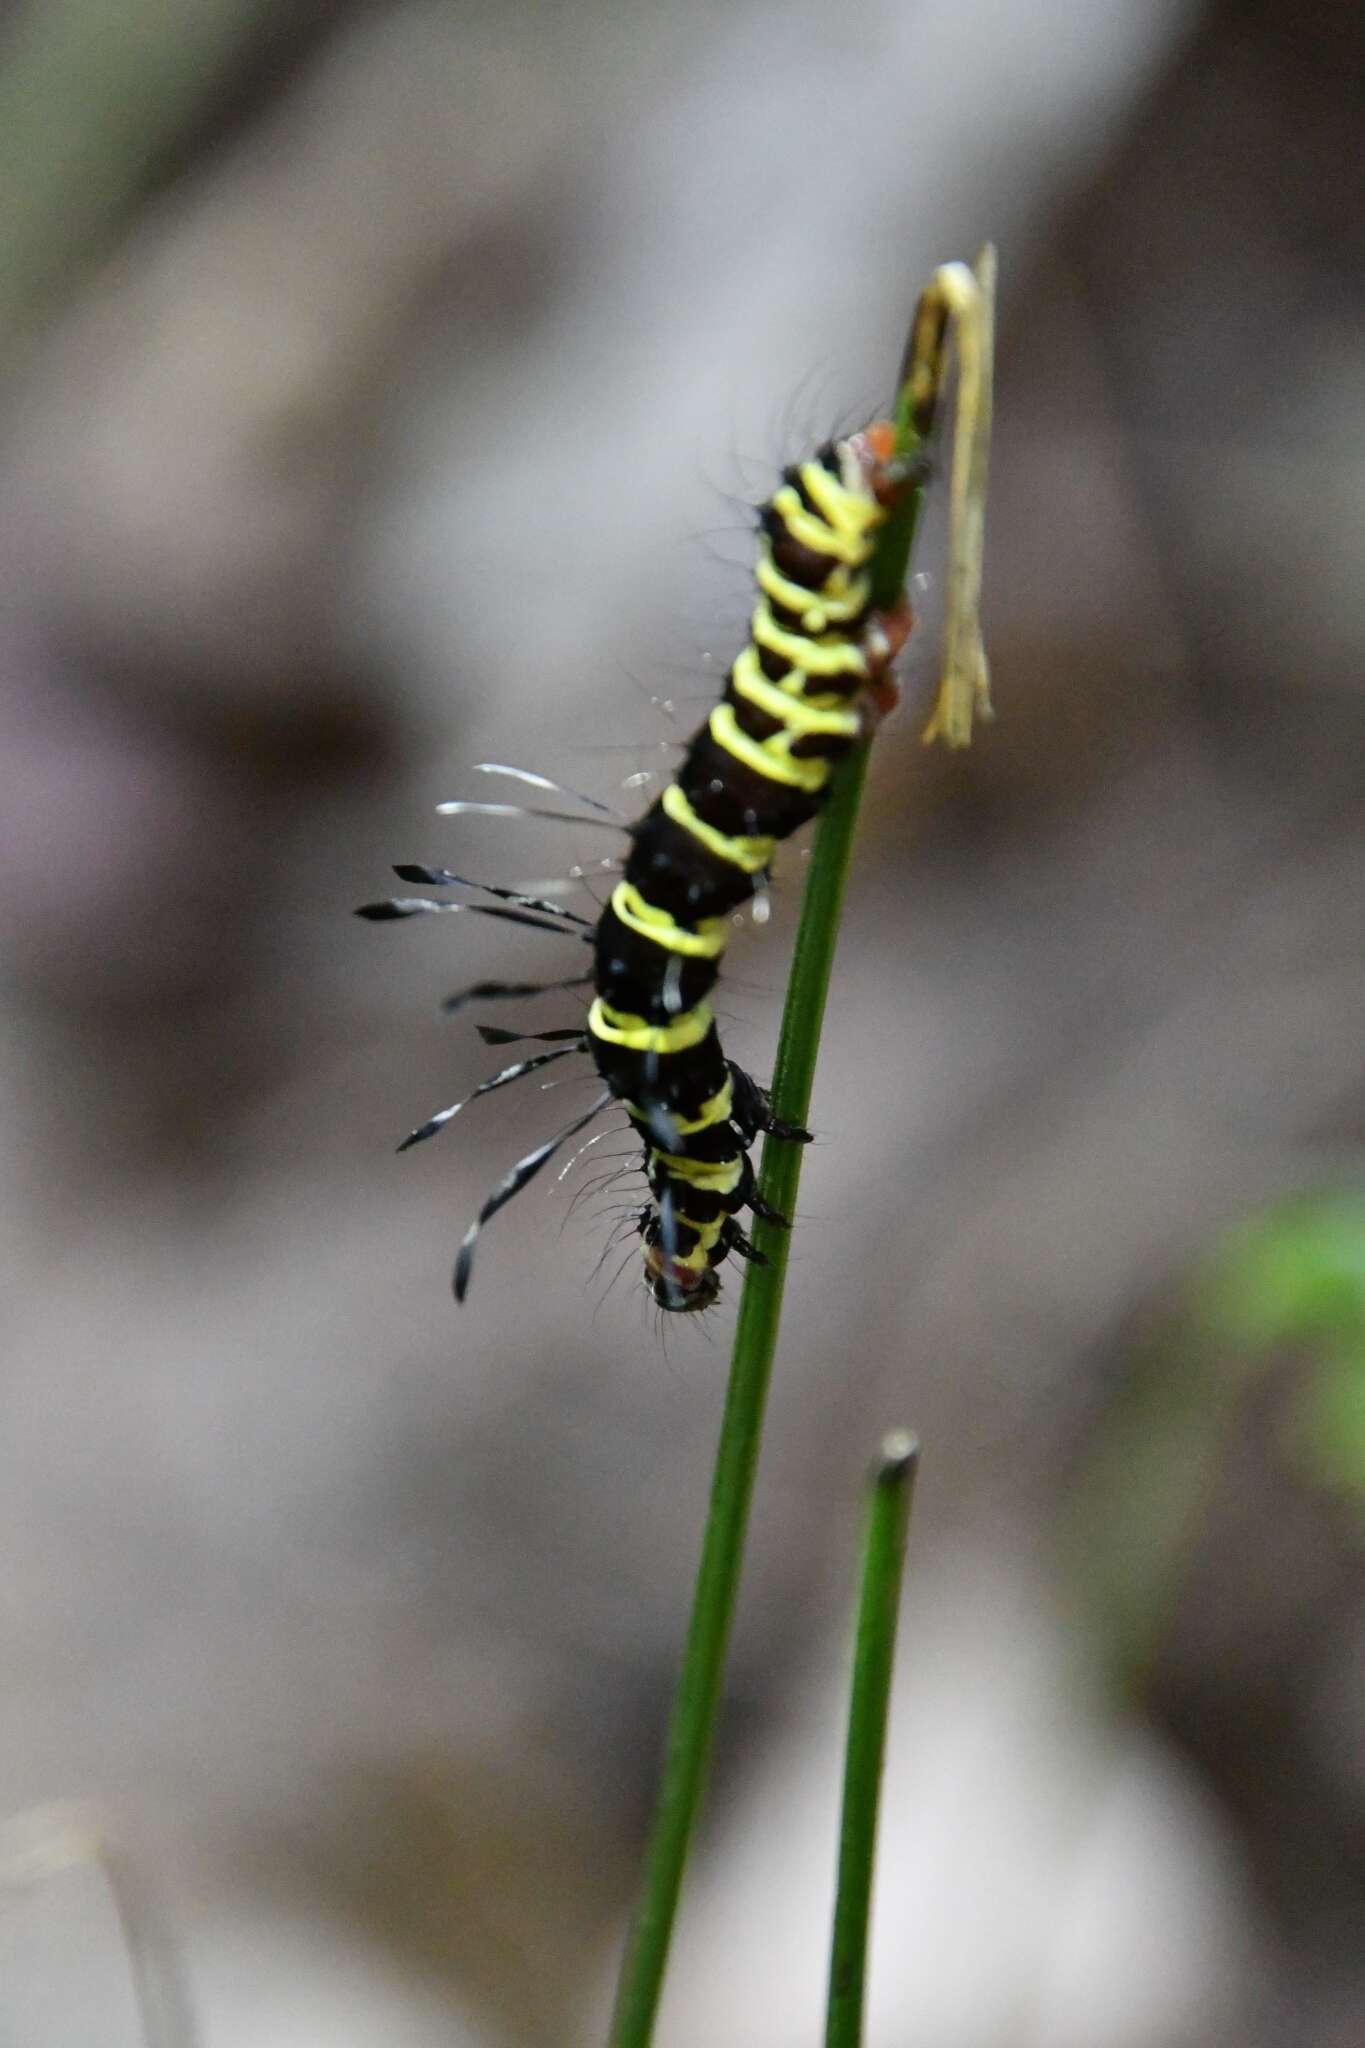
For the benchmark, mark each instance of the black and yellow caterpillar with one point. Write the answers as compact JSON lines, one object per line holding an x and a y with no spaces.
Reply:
{"x":808,"y":685}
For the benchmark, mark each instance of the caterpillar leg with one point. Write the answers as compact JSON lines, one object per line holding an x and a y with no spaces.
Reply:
{"x":958,"y":305}
{"x":795,"y":1134}
{"x":766,"y":1212}
{"x":886,"y":634}
{"x":752,"y":1110}
{"x":736,"y":1241}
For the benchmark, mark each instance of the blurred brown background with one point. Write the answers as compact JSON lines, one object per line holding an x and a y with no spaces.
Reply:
{"x":382,"y":387}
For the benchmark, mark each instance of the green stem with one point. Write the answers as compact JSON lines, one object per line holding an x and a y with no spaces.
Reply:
{"x":692,"y":1725}
{"x":694,"y":1711}
{"x":888,"y":1516}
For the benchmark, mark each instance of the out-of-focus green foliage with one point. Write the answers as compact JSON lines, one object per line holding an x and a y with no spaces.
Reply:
{"x":1296,"y":1279}
{"x":1286,"y":1288}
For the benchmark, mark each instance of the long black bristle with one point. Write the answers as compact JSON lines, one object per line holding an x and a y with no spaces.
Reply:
{"x":442,"y":1117}
{"x":491,"y":1034}
{"x":443,"y":878}
{"x":508,"y":991}
{"x":512,"y":1184}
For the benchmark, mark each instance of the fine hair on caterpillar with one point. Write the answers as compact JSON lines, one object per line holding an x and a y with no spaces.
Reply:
{"x":811,"y":682}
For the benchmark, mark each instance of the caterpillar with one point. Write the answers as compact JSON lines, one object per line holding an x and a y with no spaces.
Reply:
{"x":810,"y":683}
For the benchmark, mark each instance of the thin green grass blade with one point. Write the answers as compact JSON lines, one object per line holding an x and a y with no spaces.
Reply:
{"x":890,"y":1490}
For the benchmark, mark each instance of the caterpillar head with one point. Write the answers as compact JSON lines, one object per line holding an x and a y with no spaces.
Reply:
{"x":682,"y":1290}
{"x":872,"y":464}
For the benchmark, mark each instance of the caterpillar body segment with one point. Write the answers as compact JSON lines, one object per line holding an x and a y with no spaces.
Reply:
{"x":797,"y":698}
{"x":811,"y":681}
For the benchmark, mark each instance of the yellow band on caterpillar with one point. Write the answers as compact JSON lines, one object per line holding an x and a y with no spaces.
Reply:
{"x":713,"y":1111}
{"x":812,"y":657}
{"x":621,"y":1027}
{"x":752,"y":855}
{"x":850,"y":548}
{"x":707,"y":942}
{"x":767,"y":757}
{"x":845,"y":510}
{"x":708,"y":1231}
{"x":697,"y":1260}
{"x":841,"y":597}
{"x":716,"y":1176}
{"x":798,"y":714}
